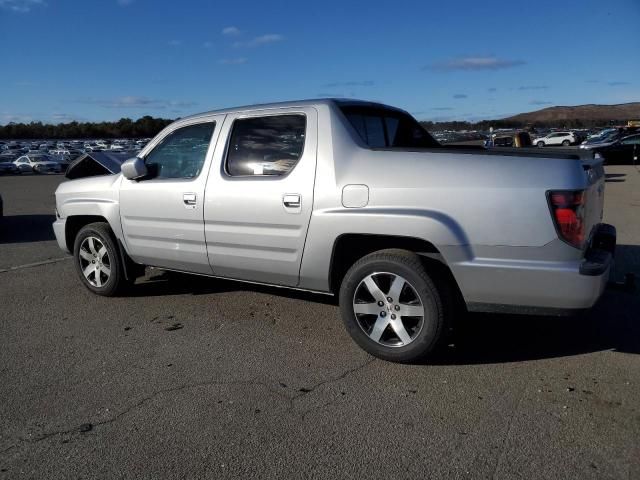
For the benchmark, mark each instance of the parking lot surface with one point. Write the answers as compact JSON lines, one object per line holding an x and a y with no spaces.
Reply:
{"x":194,"y":377}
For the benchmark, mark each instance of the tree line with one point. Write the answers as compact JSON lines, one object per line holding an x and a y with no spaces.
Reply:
{"x":148,"y":126}
{"x":144,"y":127}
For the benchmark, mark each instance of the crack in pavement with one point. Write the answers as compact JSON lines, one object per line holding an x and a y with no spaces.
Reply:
{"x":334,"y":379}
{"x":503,"y":447}
{"x":290,"y":400}
{"x":34,"y":264}
{"x":141,"y":402}
{"x":325,"y":382}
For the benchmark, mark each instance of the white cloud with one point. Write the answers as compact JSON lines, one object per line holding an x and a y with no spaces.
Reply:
{"x":231,"y":31}
{"x":175,"y":43}
{"x":261,"y":40}
{"x":233,"y":61}
{"x":6,"y":117}
{"x":475,"y":63}
{"x":132,"y":101}
{"x":124,"y":3}
{"x":66,"y":118}
{"x":351,"y":83}
{"x":207,"y":44}
{"x":21,"y":6}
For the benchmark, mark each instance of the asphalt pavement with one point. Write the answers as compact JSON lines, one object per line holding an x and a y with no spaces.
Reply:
{"x":188,"y":377}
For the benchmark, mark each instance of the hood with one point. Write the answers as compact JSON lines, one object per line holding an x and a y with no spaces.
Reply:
{"x":96,"y":163}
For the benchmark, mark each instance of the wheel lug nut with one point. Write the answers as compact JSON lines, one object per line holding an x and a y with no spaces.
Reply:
{"x":389,"y":299}
{"x":393,"y":317}
{"x":380,"y":303}
{"x":397,"y":307}
{"x":383,"y":314}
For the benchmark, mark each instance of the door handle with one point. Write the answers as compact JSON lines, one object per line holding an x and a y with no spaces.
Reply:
{"x":291,"y":201}
{"x":189,"y":199}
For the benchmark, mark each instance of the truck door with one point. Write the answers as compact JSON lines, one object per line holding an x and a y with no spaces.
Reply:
{"x":259,"y":199}
{"x":162,"y":214}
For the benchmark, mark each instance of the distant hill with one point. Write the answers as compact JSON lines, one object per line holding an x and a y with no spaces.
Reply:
{"x":591,"y":112}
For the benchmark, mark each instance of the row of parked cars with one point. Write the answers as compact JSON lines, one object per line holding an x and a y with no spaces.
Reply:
{"x":616,"y":145}
{"x":18,"y":157}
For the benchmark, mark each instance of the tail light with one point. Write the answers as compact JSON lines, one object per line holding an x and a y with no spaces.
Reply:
{"x":567,"y":209}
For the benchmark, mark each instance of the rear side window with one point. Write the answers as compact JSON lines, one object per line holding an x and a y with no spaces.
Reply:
{"x":385,"y":128}
{"x":632,"y":140}
{"x":181,"y":154}
{"x":266,"y":146}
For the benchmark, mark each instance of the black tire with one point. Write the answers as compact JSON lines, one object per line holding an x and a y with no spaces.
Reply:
{"x":566,"y":143}
{"x":540,"y":144}
{"x":116,"y":282}
{"x":435,"y":301}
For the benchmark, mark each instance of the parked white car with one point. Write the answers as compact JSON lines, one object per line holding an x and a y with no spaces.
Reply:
{"x":556,"y":138}
{"x":37,"y":164}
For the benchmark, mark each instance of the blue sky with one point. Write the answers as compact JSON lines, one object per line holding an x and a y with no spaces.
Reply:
{"x":466,"y":59}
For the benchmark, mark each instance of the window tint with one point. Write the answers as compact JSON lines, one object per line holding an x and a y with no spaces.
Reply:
{"x":266,"y":145}
{"x":181,"y":154}
{"x":635,"y":140}
{"x":392,"y":128}
{"x":380,"y":128}
{"x":375,"y":131}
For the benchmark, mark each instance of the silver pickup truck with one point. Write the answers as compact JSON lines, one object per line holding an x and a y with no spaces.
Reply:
{"x":354,"y":199}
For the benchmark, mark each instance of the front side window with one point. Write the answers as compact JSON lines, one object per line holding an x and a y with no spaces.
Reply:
{"x":181,"y":154}
{"x":269,"y":145}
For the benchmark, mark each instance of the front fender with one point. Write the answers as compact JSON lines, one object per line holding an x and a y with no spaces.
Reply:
{"x":95,"y":196}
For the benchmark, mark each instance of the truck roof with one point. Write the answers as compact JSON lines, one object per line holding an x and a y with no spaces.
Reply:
{"x":296,"y":103}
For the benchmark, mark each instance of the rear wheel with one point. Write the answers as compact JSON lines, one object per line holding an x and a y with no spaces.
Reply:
{"x":540,"y":144}
{"x":392,"y":308}
{"x":566,"y":143}
{"x":97,"y":260}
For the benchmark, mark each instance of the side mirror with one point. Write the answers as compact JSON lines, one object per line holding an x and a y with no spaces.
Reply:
{"x":134,"y":168}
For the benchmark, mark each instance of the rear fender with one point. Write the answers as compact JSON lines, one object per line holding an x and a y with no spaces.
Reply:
{"x":328,"y":225}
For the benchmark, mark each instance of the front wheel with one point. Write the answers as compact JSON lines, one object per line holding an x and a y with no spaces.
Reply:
{"x":391,"y":307}
{"x":98,"y":261}
{"x":540,"y":144}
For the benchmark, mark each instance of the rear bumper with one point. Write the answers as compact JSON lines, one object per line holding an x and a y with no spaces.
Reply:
{"x":59,"y":231}
{"x":599,"y":256}
{"x":536,"y":287}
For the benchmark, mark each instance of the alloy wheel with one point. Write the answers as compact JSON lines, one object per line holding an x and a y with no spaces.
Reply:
{"x":388,"y":309}
{"x":94,"y":261}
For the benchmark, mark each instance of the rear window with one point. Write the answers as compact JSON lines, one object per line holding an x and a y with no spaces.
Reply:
{"x":383,"y":128}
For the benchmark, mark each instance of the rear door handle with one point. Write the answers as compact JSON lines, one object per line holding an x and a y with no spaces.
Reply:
{"x":291,"y":200}
{"x":189,"y":199}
